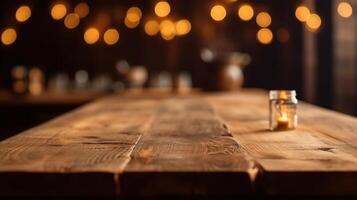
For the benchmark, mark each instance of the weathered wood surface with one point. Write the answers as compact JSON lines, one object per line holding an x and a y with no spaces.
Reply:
{"x":318,"y":158}
{"x":143,"y":144}
{"x":80,"y":153}
{"x":187,"y":150}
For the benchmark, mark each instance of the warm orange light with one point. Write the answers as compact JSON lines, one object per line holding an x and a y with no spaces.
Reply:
{"x":265,"y":36}
{"x":111,"y":36}
{"x":58,"y":11}
{"x":162,"y":8}
{"x":246,"y":12}
{"x":263,"y":19}
{"x":130,"y":24}
{"x":23,"y":13}
{"x":344,"y":9}
{"x":133,"y":14}
{"x":82,"y":9}
{"x":151,"y":27}
{"x":302,"y":13}
{"x":218,"y":13}
{"x":91,"y":35}
{"x":71,"y":21}
{"x":8,"y":36}
{"x":167,"y":29}
{"x":183,"y":27}
{"x":314,"y":22}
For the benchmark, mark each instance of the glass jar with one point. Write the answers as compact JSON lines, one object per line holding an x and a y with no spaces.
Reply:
{"x":282,"y":107}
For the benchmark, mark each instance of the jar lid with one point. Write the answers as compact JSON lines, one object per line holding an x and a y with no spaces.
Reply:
{"x":282,"y":94}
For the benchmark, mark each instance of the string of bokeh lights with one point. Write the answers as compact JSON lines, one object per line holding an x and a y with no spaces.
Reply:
{"x":163,"y":24}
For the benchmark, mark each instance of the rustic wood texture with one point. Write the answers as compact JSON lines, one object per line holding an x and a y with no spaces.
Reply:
{"x":318,"y":158}
{"x":156,"y":143}
{"x":187,"y":150}
{"x":80,"y":153}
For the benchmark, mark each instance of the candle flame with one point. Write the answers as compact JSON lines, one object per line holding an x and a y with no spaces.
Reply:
{"x":284,"y":116}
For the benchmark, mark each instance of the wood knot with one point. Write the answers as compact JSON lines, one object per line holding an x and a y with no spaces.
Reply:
{"x":327,"y":149}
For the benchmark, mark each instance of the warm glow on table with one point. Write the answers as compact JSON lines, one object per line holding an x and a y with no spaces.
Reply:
{"x":283,"y":121}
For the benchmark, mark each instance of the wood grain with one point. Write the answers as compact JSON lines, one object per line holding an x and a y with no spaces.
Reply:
{"x":148,"y":143}
{"x":318,"y":158}
{"x":187,"y":147}
{"x":64,"y":156}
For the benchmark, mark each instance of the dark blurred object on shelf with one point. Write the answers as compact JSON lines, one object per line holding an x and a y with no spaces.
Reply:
{"x":226,"y":72}
{"x":19,"y":79}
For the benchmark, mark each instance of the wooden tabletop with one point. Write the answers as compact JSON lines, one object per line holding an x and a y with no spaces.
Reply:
{"x":147,"y":144}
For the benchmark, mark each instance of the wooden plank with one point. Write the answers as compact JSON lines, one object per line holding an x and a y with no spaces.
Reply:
{"x":154,"y":145}
{"x":80,"y":153}
{"x":187,"y":151}
{"x":318,"y":158}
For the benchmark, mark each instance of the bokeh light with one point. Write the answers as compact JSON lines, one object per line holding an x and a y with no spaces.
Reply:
{"x":344,"y":9}
{"x":246,"y":12}
{"x":111,"y":36}
{"x":71,"y":21}
{"x":302,"y":13}
{"x":8,"y":36}
{"x":151,"y":27}
{"x":162,"y":8}
{"x":183,"y":27}
{"x":134,"y":14}
{"x":314,"y":22}
{"x":167,"y":29}
{"x":91,"y":35}
{"x":23,"y":13}
{"x":263,"y":19}
{"x":265,"y":36}
{"x":82,"y":9}
{"x":218,"y":13}
{"x":130,"y":24}
{"x":58,"y":11}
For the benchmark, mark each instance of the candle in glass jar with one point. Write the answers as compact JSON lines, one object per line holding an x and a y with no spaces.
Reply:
{"x":283,"y":121}
{"x":282,"y":110}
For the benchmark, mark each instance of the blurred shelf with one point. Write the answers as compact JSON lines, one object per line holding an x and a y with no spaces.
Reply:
{"x":49,"y":98}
